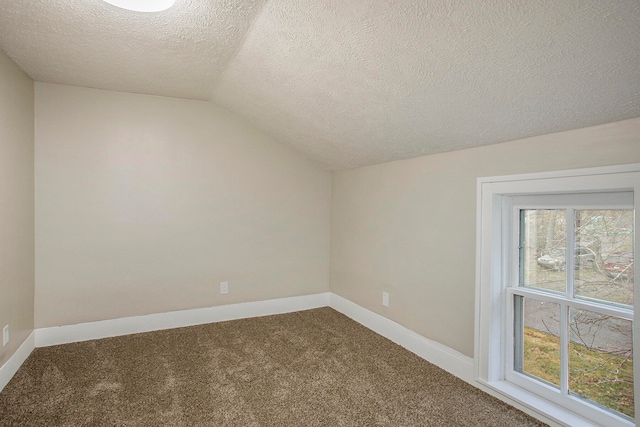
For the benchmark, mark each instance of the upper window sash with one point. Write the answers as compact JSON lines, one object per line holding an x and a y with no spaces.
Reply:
{"x":569,"y":203}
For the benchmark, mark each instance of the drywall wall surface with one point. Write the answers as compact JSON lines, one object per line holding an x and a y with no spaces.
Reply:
{"x":145,"y":204}
{"x":408,"y":227}
{"x":16,"y":206}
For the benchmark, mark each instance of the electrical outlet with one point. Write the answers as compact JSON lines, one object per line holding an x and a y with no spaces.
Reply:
{"x":224,"y":288}
{"x":385,"y":299}
{"x":5,"y":335}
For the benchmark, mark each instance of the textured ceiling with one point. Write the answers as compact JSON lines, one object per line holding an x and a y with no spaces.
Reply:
{"x":352,"y":83}
{"x":181,"y":52}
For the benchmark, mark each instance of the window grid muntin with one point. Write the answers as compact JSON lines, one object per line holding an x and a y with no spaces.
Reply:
{"x":564,"y":346}
{"x":570,"y":258}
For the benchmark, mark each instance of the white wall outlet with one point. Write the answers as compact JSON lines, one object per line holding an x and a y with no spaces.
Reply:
{"x":224,"y":288}
{"x":385,"y":299}
{"x":5,"y":335}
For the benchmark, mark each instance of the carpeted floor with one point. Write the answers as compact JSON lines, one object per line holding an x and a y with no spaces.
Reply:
{"x":311,"y":368}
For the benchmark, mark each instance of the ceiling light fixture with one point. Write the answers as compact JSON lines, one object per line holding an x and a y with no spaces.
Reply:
{"x":142,"y":5}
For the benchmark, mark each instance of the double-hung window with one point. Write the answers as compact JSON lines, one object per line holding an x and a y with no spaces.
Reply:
{"x":555,"y":295}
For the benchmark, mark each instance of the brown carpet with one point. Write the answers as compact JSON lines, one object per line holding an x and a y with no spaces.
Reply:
{"x":311,"y":368}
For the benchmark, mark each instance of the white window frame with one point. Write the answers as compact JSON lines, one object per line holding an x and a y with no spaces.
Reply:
{"x":494,"y":270}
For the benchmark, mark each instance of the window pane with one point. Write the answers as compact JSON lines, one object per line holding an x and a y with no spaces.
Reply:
{"x":543,"y":248}
{"x":601,"y":360}
{"x":604,"y":255}
{"x":537,"y":339}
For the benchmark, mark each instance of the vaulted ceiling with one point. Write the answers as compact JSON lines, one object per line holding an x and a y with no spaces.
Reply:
{"x":358,"y":82}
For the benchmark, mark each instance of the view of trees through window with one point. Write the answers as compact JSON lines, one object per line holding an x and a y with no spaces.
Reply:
{"x":598,"y":362}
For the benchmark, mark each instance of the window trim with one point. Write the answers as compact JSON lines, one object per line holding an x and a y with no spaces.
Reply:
{"x":492,"y":277}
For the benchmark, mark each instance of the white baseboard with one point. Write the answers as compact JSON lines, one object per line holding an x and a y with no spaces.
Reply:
{"x":11,"y":366}
{"x":175,"y":319}
{"x":440,"y":355}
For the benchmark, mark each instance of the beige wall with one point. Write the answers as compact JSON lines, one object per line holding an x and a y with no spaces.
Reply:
{"x":408,"y":227}
{"x":16,"y":205}
{"x":145,"y":204}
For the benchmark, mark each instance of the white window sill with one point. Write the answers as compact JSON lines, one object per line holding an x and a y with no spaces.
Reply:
{"x":562,"y":416}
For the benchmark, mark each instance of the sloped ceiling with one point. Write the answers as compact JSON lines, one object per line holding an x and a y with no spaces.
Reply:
{"x":353,"y":83}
